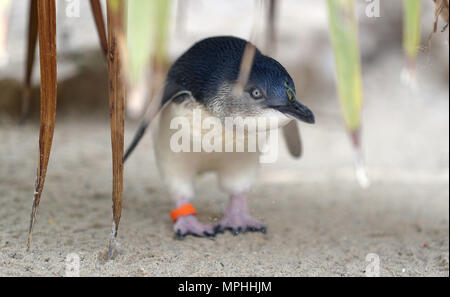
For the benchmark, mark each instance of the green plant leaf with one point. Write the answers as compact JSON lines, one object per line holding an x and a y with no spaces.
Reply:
{"x":147,"y":34}
{"x":411,"y":28}
{"x":114,"y":4}
{"x":343,"y":30}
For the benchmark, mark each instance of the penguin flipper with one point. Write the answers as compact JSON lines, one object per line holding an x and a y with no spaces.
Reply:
{"x":171,"y":93}
{"x":174,"y":93}
{"x":293,"y":139}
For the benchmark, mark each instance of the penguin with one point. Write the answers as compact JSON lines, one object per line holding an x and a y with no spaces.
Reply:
{"x":202,"y":83}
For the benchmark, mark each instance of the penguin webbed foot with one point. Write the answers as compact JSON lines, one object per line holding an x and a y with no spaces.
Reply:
{"x":240,"y":223}
{"x":189,"y":225}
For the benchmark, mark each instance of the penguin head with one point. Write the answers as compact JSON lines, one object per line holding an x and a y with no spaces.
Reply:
{"x":271,"y":90}
{"x":210,"y":71}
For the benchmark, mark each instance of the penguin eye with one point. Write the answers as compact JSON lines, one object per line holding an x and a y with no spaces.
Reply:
{"x":256,"y":93}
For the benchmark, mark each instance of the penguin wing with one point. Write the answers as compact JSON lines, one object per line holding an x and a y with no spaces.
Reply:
{"x":293,"y":139}
{"x":172,"y":93}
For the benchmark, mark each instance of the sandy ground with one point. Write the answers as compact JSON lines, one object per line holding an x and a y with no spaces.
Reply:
{"x":320,"y":223}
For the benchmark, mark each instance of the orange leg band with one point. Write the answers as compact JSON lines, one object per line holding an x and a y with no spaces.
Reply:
{"x":183,"y":211}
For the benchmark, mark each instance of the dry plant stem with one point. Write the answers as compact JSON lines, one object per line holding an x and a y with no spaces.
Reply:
{"x":100,"y":24}
{"x":117,"y":112}
{"x":31,"y":50}
{"x":180,"y":21}
{"x":246,"y":67}
{"x":47,"y":48}
{"x":249,"y":52}
{"x":441,"y":10}
{"x":271,"y":26}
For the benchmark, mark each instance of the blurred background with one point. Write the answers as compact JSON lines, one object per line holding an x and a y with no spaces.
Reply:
{"x":321,"y":222}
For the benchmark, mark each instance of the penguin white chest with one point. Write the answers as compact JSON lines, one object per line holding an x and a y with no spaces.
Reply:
{"x":184,"y":149}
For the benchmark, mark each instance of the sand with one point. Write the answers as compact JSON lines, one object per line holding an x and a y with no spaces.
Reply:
{"x":320,"y":222}
{"x":315,"y":228}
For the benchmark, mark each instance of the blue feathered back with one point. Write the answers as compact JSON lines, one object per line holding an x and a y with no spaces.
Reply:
{"x":211,"y":62}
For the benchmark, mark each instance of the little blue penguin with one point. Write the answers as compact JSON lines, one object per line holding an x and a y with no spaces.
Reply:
{"x":205,"y":79}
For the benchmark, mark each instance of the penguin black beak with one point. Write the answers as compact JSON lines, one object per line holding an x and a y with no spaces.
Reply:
{"x":295,"y":109}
